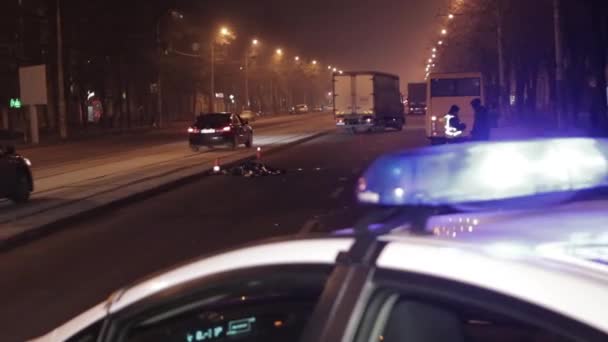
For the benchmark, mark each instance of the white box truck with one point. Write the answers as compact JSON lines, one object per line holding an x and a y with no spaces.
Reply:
{"x":365,"y":101}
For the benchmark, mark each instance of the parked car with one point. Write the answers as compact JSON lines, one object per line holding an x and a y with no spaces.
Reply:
{"x":301,"y":109}
{"x":219,"y":129}
{"x":480,"y":249}
{"x":16,"y":181}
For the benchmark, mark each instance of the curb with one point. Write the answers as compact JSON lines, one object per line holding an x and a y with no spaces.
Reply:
{"x":61,"y":224}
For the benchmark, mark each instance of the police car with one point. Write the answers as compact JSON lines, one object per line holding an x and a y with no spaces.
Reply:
{"x":473,"y":242}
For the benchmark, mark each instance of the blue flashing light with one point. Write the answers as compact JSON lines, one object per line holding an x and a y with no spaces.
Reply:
{"x":452,"y":175}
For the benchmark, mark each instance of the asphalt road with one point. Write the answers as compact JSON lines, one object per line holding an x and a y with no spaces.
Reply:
{"x":50,"y":280}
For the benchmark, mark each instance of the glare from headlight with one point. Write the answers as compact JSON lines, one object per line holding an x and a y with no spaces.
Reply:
{"x":27,"y":162}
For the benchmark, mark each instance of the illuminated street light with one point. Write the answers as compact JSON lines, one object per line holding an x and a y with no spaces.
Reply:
{"x":440,"y":42}
{"x":329,"y":67}
{"x":444,"y":32}
{"x":224,"y":38}
{"x":255,"y":42}
{"x":314,"y":62}
{"x":279,"y":52}
{"x":434,"y":56}
{"x":340,"y":72}
{"x":296,"y":58}
{"x":434,"y":49}
{"x":335,"y":69}
{"x":450,"y":16}
{"x":430,"y":60}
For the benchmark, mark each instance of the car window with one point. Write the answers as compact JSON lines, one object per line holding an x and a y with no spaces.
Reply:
{"x":89,"y":334}
{"x":417,"y":319}
{"x":212,"y":120}
{"x":428,"y":309}
{"x":270,"y":307}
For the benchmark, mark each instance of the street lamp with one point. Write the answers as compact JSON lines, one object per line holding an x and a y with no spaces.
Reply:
{"x":159,"y":103}
{"x":334,"y":69}
{"x":440,"y":42}
{"x":224,"y":34}
{"x":434,"y":49}
{"x":279,"y":52}
{"x":329,"y":67}
{"x":444,"y":32}
{"x":434,"y":56}
{"x":450,"y":16}
{"x":314,"y":62}
{"x":430,"y":60}
{"x":254,"y":43}
{"x":340,"y":72}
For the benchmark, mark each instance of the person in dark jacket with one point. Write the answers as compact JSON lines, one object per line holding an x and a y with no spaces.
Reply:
{"x":482,"y":125}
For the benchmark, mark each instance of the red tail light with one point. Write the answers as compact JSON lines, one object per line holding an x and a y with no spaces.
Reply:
{"x":226,"y":129}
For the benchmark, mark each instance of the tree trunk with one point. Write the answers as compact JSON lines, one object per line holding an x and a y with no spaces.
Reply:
{"x":599,"y":109}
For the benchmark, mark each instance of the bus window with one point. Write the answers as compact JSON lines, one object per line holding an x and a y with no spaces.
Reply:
{"x":468,"y":87}
{"x":455,"y":87}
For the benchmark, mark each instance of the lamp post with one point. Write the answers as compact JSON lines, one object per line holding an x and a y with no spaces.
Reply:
{"x":223,"y":34}
{"x":254,"y":43}
{"x":159,"y":87}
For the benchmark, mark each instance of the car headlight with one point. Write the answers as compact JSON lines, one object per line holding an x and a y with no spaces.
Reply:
{"x":27,"y":162}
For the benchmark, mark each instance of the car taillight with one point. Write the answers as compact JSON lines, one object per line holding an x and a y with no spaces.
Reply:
{"x":226,"y":129}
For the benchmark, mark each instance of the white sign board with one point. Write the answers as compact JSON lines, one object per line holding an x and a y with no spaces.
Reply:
{"x":32,"y":84}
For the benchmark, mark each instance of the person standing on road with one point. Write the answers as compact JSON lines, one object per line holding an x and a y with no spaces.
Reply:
{"x":453,"y":126}
{"x":481,"y":127}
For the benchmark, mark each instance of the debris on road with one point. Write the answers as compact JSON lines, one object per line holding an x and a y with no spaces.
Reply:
{"x":250,"y":169}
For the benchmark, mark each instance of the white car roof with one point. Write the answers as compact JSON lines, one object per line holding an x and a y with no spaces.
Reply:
{"x":574,"y":234}
{"x":556,"y":258}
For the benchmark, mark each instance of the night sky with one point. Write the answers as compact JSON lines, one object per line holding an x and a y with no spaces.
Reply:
{"x":383,"y":35}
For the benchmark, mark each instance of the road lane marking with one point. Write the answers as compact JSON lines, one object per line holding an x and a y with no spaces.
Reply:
{"x":309,"y":226}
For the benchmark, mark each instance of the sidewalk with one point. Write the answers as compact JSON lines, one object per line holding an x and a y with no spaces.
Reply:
{"x":72,"y":180}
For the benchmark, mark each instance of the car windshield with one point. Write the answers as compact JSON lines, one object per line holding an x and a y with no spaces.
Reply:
{"x":147,"y":133}
{"x":213,"y":120}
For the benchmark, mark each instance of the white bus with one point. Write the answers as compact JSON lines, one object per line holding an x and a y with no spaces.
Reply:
{"x":444,"y":91}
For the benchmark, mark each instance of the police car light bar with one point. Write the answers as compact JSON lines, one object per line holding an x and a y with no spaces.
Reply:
{"x":461,"y":174}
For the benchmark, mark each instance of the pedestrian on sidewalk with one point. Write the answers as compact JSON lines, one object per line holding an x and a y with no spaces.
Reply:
{"x":482,"y":124}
